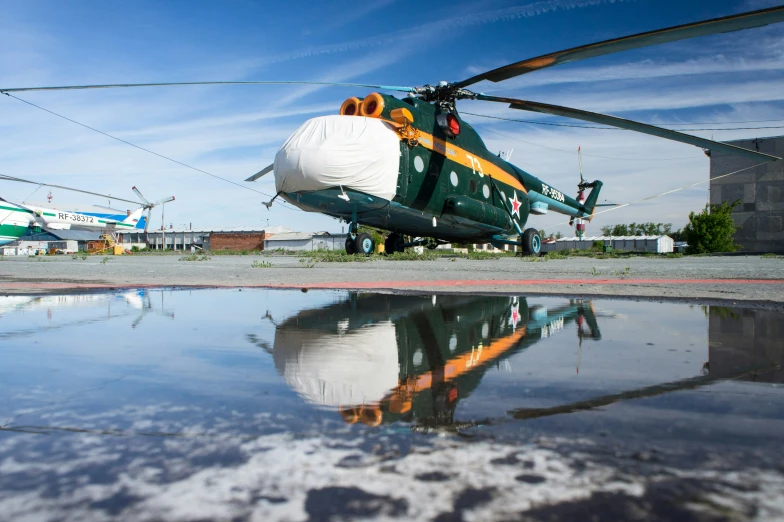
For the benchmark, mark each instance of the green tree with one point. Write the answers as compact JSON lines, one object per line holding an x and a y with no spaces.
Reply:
{"x":711,"y":230}
{"x":638,"y":229}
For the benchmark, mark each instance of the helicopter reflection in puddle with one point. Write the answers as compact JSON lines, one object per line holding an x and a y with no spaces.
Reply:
{"x":379,"y":359}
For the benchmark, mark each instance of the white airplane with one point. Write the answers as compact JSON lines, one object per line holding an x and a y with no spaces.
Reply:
{"x":17,"y":218}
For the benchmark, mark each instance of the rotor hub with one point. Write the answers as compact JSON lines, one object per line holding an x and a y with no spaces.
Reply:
{"x":443,"y":93}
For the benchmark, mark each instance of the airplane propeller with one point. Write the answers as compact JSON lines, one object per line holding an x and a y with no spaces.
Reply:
{"x":149,"y":206}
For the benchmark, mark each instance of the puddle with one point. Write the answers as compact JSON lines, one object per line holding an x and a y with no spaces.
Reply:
{"x":226,"y":404}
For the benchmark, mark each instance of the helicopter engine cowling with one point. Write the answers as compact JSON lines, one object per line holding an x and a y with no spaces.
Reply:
{"x":357,"y":153}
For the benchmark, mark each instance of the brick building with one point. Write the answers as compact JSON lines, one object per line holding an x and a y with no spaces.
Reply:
{"x":245,"y":238}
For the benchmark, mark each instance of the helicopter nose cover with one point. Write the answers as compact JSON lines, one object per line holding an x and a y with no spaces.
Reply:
{"x":339,"y":369}
{"x":354,"y":152}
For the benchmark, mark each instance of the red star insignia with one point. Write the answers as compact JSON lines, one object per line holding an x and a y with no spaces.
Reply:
{"x":515,"y":318}
{"x":515,"y":204}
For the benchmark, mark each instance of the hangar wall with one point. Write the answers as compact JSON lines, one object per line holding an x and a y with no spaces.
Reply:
{"x":760,"y":191}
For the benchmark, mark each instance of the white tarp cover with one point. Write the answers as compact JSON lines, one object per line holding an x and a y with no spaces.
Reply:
{"x":349,"y":151}
{"x":351,"y":369}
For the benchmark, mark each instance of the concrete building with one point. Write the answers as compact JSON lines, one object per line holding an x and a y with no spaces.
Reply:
{"x":306,"y":241}
{"x":241,"y":238}
{"x":760,"y":191}
{"x":490,"y":248}
{"x":65,"y":241}
{"x":653,"y":244}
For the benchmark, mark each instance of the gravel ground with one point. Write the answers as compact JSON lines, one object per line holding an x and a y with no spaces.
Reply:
{"x":733,"y":278}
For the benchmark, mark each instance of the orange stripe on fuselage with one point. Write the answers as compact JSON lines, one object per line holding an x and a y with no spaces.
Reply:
{"x":458,"y":366}
{"x":463,"y":157}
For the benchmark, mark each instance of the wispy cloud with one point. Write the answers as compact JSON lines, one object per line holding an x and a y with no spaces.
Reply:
{"x":462,"y":22}
{"x":349,"y":16}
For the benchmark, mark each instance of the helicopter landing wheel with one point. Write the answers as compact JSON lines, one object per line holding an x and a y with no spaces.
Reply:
{"x":532,"y":243}
{"x":351,"y":247}
{"x":394,"y":243}
{"x":364,"y":244}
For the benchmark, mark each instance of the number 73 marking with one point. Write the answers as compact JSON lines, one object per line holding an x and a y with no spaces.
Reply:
{"x":476,"y":165}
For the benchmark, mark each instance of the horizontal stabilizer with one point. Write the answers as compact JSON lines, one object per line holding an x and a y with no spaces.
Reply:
{"x":262,"y":172}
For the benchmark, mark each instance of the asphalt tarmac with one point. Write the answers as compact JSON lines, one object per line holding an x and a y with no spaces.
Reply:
{"x":749,"y":279}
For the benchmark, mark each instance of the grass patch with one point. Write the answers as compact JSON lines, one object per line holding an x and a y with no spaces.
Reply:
{"x":411,"y":255}
{"x":772,"y":256}
{"x":337,"y":256}
{"x":334,"y":256}
{"x":564,"y":254}
{"x":261,"y":264}
{"x":481,"y":256}
{"x":105,"y":260}
{"x":81,"y":255}
{"x":194,"y":257}
{"x":235,"y":252}
{"x":622,"y":273}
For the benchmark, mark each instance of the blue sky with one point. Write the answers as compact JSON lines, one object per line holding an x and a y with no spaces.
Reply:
{"x":233,"y":131}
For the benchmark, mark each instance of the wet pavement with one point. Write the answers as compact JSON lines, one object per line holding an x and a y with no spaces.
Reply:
{"x":331,"y":405}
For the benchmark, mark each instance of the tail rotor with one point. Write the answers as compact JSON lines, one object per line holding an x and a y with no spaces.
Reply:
{"x":579,"y":223}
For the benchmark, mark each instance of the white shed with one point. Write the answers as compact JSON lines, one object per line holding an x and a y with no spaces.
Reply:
{"x":306,"y":241}
{"x":654,"y":244}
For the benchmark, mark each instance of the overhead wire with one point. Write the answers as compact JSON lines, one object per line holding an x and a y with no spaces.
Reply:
{"x":8,"y":213}
{"x":623,"y":205}
{"x":147,"y":150}
{"x":589,"y":155}
{"x":578,"y":126}
{"x":6,"y":177}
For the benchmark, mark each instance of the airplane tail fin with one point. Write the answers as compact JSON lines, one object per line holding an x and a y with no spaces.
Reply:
{"x":135,"y":217}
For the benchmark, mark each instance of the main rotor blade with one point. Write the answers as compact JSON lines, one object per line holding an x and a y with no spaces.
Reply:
{"x":140,"y":195}
{"x":164,"y":200}
{"x":265,"y":170}
{"x":122,"y":85}
{"x":725,"y":24}
{"x":20,"y":180}
{"x":115,"y":210}
{"x":635,"y":126}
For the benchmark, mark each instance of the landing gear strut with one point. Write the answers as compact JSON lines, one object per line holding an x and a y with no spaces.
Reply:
{"x":358,"y":243}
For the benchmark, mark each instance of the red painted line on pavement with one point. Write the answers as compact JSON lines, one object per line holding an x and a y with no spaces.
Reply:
{"x":525,"y":282}
{"x":408,"y":284}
